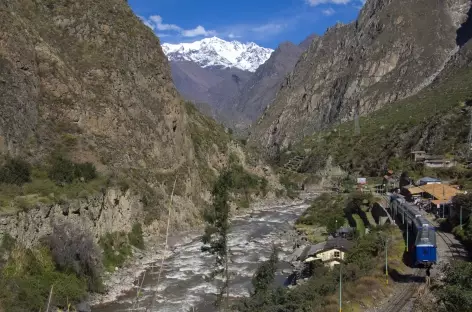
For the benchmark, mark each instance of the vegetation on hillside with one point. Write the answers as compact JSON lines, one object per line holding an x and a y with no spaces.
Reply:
{"x":68,"y":260}
{"x":362,"y":275}
{"x":23,"y":185}
{"x":464,"y":232}
{"x":331,"y":211}
{"x":434,"y":120}
{"x":455,"y":294}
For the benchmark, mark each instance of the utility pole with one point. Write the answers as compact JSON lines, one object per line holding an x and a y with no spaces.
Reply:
{"x":386,"y":261}
{"x":340,"y":288}
{"x":406,"y":235}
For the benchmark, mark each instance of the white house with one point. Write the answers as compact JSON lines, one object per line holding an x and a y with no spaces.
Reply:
{"x":331,"y":252}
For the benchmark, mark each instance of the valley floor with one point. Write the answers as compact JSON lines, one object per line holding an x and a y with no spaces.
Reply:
{"x":274,"y":214}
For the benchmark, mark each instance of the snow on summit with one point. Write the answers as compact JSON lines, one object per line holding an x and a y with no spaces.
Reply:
{"x":218,"y":52}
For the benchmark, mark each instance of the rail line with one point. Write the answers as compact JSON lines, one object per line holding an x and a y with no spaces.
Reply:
{"x":405,"y":296}
{"x":455,"y":251}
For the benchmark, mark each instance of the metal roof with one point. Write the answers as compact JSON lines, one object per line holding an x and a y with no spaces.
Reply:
{"x":440,"y":191}
{"x":429,"y":179}
{"x":415,"y":190}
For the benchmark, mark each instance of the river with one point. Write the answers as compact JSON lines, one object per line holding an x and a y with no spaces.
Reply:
{"x":183,"y":286}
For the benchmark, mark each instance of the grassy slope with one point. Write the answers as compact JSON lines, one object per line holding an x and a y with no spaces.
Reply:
{"x":431,"y":120}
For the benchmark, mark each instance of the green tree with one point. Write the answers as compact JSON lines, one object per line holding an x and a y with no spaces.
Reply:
{"x":456,"y":292}
{"x":265,"y":274}
{"x":215,"y":238}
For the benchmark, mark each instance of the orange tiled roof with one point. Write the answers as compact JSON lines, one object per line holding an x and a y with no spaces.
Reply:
{"x":440,"y":191}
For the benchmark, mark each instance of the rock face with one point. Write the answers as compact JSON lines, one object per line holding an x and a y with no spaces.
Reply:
{"x":393,"y":50}
{"x":89,"y":70}
{"x":262,"y":87}
{"x":111,"y":211}
{"x":91,"y":73}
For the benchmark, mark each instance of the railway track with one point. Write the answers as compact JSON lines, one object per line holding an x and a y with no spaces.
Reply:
{"x":406,"y":295}
{"x":456,"y":252}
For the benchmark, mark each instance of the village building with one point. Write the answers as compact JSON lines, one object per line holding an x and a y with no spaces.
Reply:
{"x":432,"y":161}
{"x":330,"y":253}
{"x":440,"y":163}
{"x":435,"y":197}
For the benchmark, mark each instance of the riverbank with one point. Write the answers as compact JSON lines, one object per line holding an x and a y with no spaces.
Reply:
{"x":124,"y":280}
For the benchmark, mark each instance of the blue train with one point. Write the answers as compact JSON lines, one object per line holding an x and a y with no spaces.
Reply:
{"x":422,"y":242}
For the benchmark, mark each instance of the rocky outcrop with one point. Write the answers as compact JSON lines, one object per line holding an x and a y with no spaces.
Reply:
{"x":393,"y":50}
{"x":111,"y":211}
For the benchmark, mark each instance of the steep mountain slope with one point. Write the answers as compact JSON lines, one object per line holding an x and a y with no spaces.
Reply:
{"x":236,"y":97}
{"x":393,"y":50}
{"x":305,"y":44}
{"x":88,"y":79}
{"x":216,"y":52}
{"x":261,"y":89}
{"x":217,"y":87}
{"x":435,"y":120}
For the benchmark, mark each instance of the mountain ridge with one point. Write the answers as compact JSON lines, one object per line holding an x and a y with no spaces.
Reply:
{"x":217,"y":52}
{"x":354,"y":69}
{"x":236,"y":97}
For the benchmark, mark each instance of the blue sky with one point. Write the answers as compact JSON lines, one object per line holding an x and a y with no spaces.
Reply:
{"x":265,"y":22}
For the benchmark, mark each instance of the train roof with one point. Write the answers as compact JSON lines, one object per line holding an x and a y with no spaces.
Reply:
{"x":426,"y":232}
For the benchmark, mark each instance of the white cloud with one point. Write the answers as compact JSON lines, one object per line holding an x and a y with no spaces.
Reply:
{"x":269,"y":28}
{"x":157,"y":21}
{"x":318,"y":2}
{"x":197,"y":31}
{"x":233,"y":36}
{"x":328,"y":12}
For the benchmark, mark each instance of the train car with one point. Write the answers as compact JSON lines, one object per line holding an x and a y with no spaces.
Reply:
{"x":422,"y":245}
{"x":425,"y":251}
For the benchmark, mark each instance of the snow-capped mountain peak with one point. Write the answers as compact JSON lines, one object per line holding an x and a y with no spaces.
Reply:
{"x":218,"y":52}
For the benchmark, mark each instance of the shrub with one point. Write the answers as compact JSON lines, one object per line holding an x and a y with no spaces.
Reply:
{"x":456,"y":292}
{"x":136,"y":236}
{"x":15,"y":171}
{"x":73,"y":250}
{"x":26,"y":280}
{"x":116,"y":249}
{"x":87,"y":171}
{"x":62,"y":170}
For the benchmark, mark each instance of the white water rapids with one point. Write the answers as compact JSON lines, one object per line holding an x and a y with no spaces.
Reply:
{"x":183,"y":286}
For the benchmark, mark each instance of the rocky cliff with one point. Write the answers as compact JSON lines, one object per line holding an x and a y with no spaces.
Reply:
{"x":88,"y":78}
{"x":111,"y":211}
{"x":394,"y":49}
